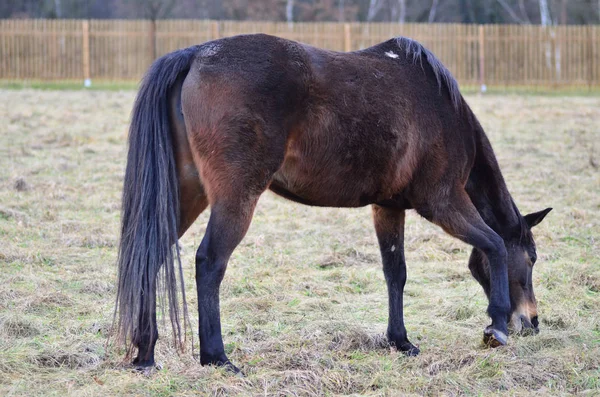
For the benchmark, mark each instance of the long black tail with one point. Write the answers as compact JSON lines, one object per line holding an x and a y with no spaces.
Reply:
{"x":150,"y":210}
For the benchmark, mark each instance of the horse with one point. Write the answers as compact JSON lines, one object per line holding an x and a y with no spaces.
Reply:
{"x":218,"y":124}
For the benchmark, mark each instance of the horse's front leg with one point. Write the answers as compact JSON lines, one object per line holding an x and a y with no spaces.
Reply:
{"x":389,"y":226}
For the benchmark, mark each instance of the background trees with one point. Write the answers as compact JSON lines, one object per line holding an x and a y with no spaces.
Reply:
{"x":462,"y":11}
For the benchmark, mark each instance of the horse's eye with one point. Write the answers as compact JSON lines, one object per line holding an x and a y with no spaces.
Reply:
{"x":533,"y":259}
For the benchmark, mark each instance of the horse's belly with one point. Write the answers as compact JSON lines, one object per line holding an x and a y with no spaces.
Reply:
{"x":332,"y":162}
{"x":326,"y":185}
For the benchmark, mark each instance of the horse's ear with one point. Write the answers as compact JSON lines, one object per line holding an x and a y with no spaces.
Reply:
{"x":535,"y":218}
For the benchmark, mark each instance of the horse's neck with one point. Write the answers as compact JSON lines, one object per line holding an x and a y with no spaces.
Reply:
{"x":488,"y":191}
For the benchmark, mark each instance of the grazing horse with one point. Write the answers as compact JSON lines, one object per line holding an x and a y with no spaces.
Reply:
{"x":219,"y":123}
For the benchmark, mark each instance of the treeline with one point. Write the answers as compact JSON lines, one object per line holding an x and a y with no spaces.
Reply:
{"x":545,"y":12}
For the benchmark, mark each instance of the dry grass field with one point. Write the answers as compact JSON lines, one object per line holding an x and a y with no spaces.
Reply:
{"x":304,"y":305}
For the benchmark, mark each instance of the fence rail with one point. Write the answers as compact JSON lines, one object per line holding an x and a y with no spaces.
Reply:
{"x":511,"y":55}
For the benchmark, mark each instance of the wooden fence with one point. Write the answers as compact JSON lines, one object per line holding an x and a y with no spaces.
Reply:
{"x":505,"y":55}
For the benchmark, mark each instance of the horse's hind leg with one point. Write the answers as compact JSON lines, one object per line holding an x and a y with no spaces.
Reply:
{"x":457,"y":215}
{"x":389,"y":227}
{"x":234,"y":177}
{"x":193,"y":202}
{"x":234,"y":189}
{"x":228,"y":223}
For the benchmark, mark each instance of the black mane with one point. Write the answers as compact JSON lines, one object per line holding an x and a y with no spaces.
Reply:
{"x":442,"y":74}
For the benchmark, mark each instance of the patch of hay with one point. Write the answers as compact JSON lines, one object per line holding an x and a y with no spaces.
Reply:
{"x":98,"y":287}
{"x":79,"y":357}
{"x":356,"y":339}
{"x":49,"y":302}
{"x":16,"y":327}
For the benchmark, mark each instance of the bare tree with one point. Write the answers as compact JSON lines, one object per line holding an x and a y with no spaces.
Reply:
{"x":546,"y":20}
{"x":397,"y":11}
{"x":545,"y":17}
{"x":342,"y":11}
{"x":152,"y":10}
{"x":563,"y":12}
{"x":149,"y":9}
{"x":433,"y":11}
{"x":289,"y":11}
{"x":510,"y":11}
{"x":524,"y":11}
{"x":546,"y":12}
{"x":57,"y":8}
{"x":374,"y":8}
{"x":402,"y":16}
{"x":468,"y":14}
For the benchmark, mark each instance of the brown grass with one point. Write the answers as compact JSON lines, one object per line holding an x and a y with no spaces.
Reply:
{"x":304,"y":304}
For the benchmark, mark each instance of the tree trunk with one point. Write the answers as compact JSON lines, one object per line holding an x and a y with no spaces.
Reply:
{"x":215,"y":9}
{"x":57,"y":9}
{"x":289,"y":11}
{"x":433,"y":11}
{"x":510,"y":11}
{"x":545,"y":13}
{"x":341,"y":10}
{"x":374,"y":7}
{"x":524,"y":11}
{"x":467,"y":11}
{"x":546,"y":20}
{"x":402,"y":16}
{"x":563,"y":13}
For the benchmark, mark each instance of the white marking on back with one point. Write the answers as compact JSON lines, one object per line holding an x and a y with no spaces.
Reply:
{"x":393,"y":248}
{"x":391,"y":54}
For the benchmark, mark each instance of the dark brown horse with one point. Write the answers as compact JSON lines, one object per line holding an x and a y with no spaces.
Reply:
{"x":220,"y":123}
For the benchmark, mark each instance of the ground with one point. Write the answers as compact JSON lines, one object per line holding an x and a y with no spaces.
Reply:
{"x":304,"y":304}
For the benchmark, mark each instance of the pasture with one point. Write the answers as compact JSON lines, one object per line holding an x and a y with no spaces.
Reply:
{"x":304,"y":305}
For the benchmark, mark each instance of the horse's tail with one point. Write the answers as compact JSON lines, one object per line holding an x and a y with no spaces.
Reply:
{"x":443,"y":76}
{"x":150,"y":210}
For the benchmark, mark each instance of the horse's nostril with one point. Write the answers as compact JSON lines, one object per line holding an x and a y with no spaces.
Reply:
{"x":535,"y":322}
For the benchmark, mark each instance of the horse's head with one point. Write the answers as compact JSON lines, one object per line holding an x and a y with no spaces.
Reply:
{"x":521,"y":258}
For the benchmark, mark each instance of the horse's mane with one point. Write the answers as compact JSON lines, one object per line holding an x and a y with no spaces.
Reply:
{"x":442,"y":74}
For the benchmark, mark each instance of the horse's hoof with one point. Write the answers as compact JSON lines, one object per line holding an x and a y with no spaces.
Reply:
{"x":229,"y":367}
{"x":222,"y":362}
{"x":494,"y":338}
{"x":404,"y":346}
{"x":146,"y":370}
{"x":409,"y":350}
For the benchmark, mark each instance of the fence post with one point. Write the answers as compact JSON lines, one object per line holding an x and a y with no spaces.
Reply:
{"x":590,"y":55}
{"x":482,"y":58}
{"x":553,"y":58}
{"x":347,"y":38}
{"x":152,"y":40}
{"x":85,"y":27}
